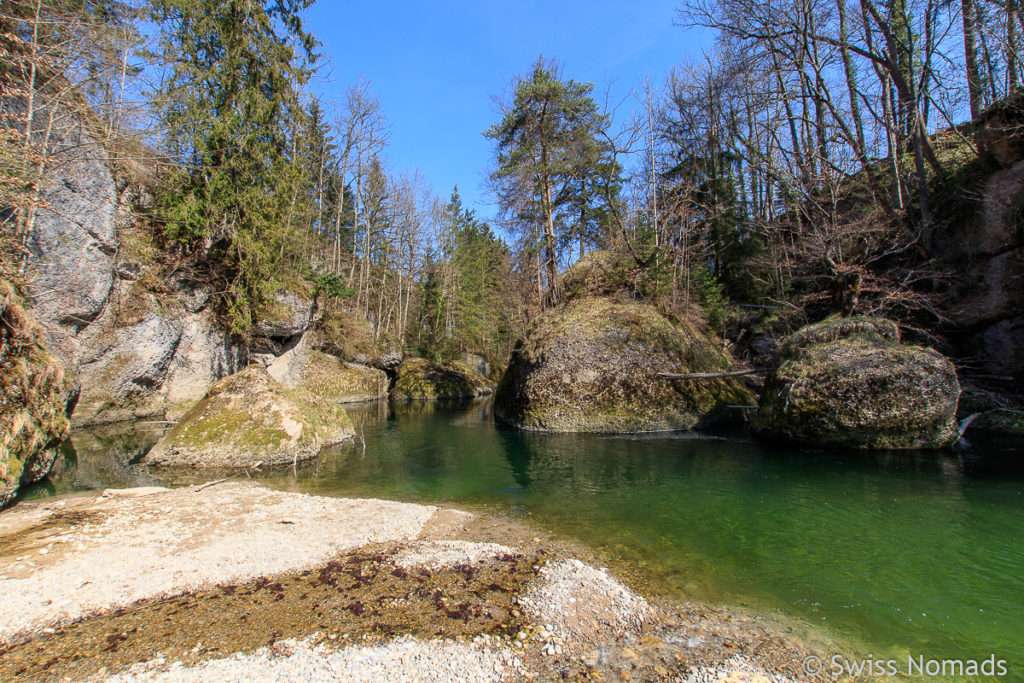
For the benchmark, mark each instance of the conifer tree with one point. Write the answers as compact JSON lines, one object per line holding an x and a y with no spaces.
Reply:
{"x":231,"y":89}
{"x":543,"y":143}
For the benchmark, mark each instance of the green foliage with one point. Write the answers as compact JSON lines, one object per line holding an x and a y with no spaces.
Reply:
{"x":234,"y":75}
{"x":331,"y":285}
{"x":711,"y":295}
{"x":463,"y":293}
{"x":552,"y":167}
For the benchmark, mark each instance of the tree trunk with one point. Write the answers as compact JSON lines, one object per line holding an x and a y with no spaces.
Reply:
{"x":971,"y":58}
{"x":1012,"y":66}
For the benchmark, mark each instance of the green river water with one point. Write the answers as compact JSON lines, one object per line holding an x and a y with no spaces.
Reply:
{"x":890,"y":554}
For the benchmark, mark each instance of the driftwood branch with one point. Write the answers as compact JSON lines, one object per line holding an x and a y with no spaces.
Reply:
{"x":711,"y":375}
{"x":213,"y":483}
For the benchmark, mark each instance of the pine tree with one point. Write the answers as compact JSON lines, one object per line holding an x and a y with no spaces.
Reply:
{"x":462,"y":294}
{"x":543,"y":143}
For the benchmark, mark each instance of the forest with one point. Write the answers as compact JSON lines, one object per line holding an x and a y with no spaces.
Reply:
{"x":808,"y":162}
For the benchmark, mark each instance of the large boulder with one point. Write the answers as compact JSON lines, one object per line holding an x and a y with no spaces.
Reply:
{"x":328,"y":377}
{"x":290,"y":313}
{"x":33,"y":399}
{"x":419,"y":379}
{"x":341,"y":382}
{"x":851,"y":383}
{"x":593,"y":364}
{"x":248,"y":418}
{"x":1000,"y":129}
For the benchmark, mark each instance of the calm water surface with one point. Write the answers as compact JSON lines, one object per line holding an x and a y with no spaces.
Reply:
{"x":892,"y":554}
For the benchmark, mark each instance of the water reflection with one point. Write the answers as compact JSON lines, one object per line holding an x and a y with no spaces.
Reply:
{"x":902,"y":551}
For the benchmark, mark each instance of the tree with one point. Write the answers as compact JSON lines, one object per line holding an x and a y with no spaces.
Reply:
{"x":235,"y":69}
{"x":53,"y":53}
{"x":545,"y":142}
{"x":464,"y":292}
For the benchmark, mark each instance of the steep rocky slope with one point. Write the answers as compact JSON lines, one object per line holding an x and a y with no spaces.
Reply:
{"x":34,"y":394}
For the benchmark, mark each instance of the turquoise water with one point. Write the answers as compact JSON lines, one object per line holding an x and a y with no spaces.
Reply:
{"x":891,"y":554}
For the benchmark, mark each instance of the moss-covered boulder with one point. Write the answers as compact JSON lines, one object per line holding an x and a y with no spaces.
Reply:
{"x":335,"y":380}
{"x":593,"y":364}
{"x":248,"y":418}
{"x":33,"y":399}
{"x":418,"y":378}
{"x":851,"y":383}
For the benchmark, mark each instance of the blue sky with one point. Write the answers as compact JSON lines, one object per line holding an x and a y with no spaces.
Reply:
{"x":436,"y":66}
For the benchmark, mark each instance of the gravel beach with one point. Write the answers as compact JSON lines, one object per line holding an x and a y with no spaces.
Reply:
{"x":231,"y":581}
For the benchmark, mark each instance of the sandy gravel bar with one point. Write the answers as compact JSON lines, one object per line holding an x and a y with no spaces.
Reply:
{"x":125,"y":548}
{"x":403,"y":659}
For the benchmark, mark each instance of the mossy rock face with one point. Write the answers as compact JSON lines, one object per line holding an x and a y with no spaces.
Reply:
{"x":594,"y":274}
{"x":33,"y":399}
{"x":334,"y":380}
{"x":248,"y":418}
{"x":592,"y":365}
{"x":850,"y":383}
{"x":345,"y":334}
{"x":420,"y":379}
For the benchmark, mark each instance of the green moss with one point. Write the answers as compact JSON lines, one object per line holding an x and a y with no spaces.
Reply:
{"x":346,"y":334}
{"x":418,"y":378}
{"x":33,"y":389}
{"x":851,"y":383}
{"x":327,"y":377}
{"x":248,"y":417}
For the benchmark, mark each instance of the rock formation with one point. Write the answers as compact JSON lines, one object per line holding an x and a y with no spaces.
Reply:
{"x":851,"y":383}
{"x":248,"y":418}
{"x":418,"y":378}
{"x":593,"y":364}
{"x":34,"y":395}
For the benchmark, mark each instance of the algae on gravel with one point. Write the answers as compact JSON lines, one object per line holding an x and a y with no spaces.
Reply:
{"x":358,"y":597}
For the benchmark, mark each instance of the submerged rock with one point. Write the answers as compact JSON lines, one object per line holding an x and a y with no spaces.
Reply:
{"x":249,"y":418}
{"x":418,"y":378}
{"x":592,"y":365}
{"x":33,"y":399}
{"x":851,"y":383}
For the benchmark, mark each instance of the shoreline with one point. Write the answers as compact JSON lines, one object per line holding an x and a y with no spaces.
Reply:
{"x":235,"y":579}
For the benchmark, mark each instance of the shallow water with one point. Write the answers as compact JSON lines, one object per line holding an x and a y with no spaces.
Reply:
{"x":892,"y":554}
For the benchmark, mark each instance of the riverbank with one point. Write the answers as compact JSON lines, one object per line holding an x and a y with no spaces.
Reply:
{"x":234,"y":581}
